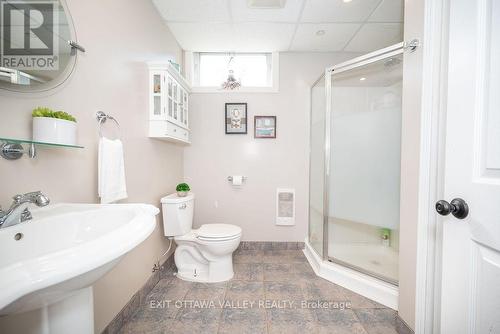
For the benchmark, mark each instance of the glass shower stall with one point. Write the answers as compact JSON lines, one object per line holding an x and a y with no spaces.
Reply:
{"x":355,"y":163}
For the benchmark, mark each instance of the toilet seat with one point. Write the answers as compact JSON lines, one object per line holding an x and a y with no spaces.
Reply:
{"x":218,"y":232}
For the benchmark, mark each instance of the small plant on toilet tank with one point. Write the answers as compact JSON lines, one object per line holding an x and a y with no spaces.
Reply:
{"x":182,"y":189}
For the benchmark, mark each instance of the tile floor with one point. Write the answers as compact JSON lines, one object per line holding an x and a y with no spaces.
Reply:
{"x":272,"y":292}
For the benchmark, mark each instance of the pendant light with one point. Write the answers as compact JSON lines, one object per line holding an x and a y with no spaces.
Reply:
{"x":231,"y":82}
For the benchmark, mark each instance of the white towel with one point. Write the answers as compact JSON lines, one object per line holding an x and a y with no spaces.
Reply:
{"x":111,"y":171}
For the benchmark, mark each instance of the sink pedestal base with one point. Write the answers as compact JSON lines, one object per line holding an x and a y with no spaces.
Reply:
{"x":74,"y":314}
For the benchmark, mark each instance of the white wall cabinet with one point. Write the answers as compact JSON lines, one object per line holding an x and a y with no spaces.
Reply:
{"x":168,"y":104}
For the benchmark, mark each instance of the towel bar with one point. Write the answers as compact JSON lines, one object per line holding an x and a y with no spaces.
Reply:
{"x":102,"y":118}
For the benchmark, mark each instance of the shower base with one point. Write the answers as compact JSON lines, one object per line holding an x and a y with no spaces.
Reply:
{"x":378,"y":259}
{"x":376,"y":289}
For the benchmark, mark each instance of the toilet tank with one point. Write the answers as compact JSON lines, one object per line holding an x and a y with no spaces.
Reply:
{"x":177,"y":214}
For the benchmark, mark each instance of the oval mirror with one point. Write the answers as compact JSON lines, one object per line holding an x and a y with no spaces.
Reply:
{"x":37,"y":44}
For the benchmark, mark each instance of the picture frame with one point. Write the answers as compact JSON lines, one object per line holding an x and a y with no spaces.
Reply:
{"x":265,"y":126}
{"x":235,"y":118}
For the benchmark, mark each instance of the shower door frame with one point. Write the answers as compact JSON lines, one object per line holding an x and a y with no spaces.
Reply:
{"x":310,"y":164}
{"x":366,"y":59}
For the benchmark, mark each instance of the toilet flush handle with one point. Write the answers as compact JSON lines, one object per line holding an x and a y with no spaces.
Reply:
{"x":183,"y":206}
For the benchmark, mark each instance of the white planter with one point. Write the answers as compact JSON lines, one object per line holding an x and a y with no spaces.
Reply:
{"x":54,"y":130}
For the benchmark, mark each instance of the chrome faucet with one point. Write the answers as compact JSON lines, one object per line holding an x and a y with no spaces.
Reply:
{"x":18,"y":211}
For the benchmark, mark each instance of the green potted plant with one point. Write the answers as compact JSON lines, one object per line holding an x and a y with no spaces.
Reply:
{"x":57,"y":127}
{"x":182,"y":189}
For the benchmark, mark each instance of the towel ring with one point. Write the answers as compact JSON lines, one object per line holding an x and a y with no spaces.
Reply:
{"x":102,"y":118}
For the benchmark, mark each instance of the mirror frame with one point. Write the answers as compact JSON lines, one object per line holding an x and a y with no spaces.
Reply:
{"x":64,"y":75}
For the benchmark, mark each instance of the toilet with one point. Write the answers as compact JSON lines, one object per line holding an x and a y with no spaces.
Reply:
{"x":204,"y":254}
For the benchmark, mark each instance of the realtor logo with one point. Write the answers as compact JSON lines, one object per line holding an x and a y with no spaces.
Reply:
{"x":29,"y":35}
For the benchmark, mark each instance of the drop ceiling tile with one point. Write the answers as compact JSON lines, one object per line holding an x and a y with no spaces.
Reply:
{"x":290,"y":13}
{"x":388,"y":11}
{"x":263,"y":36}
{"x":203,"y":36}
{"x":316,"y":11}
{"x":374,"y":36}
{"x":335,"y":37}
{"x":194,"y":10}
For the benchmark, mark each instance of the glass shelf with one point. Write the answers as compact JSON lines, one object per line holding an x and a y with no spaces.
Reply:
{"x":26,"y":141}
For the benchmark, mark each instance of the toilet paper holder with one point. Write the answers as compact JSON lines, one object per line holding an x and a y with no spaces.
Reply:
{"x":230,"y":178}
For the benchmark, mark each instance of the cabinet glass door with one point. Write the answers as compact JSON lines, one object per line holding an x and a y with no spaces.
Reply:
{"x":157,"y":83}
{"x":186,"y":112}
{"x":157,"y":88}
{"x":183,"y":107}
{"x":170,"y":97}
{"x":175,"y":99}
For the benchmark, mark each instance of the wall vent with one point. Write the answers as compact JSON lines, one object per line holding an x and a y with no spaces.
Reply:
{"x":285,"y":206}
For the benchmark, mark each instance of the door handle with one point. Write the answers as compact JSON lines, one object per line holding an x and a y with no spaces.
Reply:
{"x":457,"y":207}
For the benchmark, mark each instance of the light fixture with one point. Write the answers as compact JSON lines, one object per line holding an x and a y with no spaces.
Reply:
{"x":320,"y":33}
{"x":362,"y":79}
{"x":346,"y":1}
{"x":231,"y":82}
{"x":266,"y":4}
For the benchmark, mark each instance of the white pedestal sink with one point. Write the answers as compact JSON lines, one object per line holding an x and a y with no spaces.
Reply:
{"x":51,"y":262}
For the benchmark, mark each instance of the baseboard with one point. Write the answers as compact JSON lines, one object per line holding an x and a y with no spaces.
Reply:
{"x":271,"y":245}
{"x":166,"y":269}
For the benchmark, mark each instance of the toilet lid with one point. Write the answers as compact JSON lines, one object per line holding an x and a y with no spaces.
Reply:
{"x":218,"y":231}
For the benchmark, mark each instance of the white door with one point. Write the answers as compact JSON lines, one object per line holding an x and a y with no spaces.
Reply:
{"x":470,"y":289}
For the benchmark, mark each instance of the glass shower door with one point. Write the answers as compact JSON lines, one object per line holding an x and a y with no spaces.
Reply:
{"x":364,"y":177}
{"x":317,"y":166}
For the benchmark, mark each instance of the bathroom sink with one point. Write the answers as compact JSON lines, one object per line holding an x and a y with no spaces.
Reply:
{"x":63,"y":251}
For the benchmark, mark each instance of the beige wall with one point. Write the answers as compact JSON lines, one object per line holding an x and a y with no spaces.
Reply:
{"x":268,"y":163}
{"x":112,"y":76}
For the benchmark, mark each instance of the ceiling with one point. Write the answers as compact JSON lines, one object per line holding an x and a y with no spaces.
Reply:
{"x":301,"y":25}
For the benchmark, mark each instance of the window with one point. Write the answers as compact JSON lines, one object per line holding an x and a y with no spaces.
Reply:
{"x":255,"y":71}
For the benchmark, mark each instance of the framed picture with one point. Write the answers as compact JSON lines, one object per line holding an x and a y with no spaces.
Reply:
{"x":235,"y":118}
{"x":265,"y":126}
